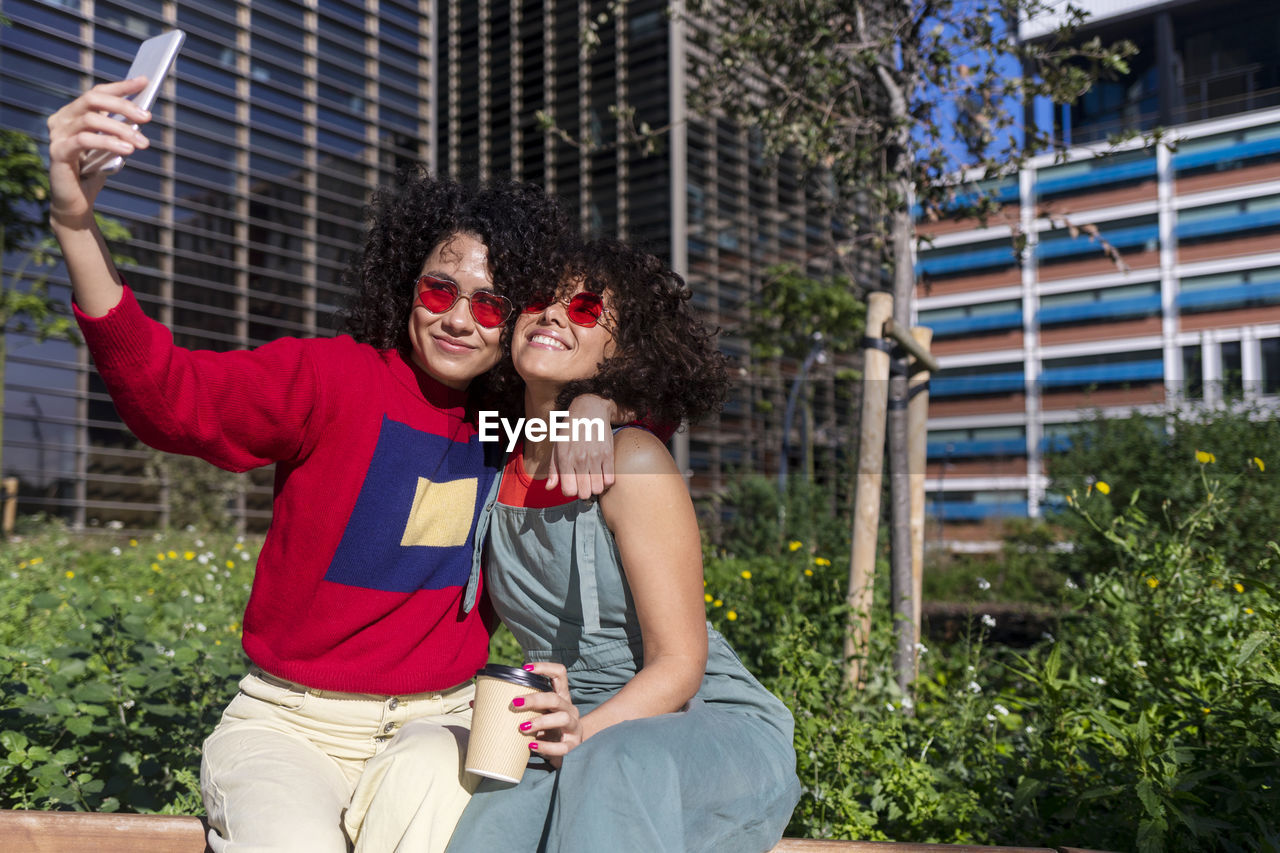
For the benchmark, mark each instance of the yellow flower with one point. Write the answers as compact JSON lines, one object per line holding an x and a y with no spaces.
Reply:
{"x":133,"y":543}
{"x":746,"y":575}
{"x":159,"y":556}
{"x":795,"y":545}
{"x":230,"y":565}
{"x":1238,"y":587}
{"x":217,"y":642}
{"x":1153,"y":582}
{"x":1249,"y":610}
{"x":717,"y":603}
{"x":173,"y":555}
{"x":1103,"y":487}
{"x":808,"y":572}
{"x":1207,"y":710}
{"x":188,"y":555}
{"x":708,"y":597}
{"x":155,"y":567}
{"x":821,"y":561}
{"x":732,"y":615}
{"x":23,"y":564}
{"x":1071,"y":499}
{"x":150,"y":591}
{"x":1258,"y":462}
{"x":70,"y":575}
{"x":1205,"y":458}
{"x":35,"y":561}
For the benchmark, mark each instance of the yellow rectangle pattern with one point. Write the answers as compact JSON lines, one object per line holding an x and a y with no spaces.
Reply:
{"x":441,"y":513}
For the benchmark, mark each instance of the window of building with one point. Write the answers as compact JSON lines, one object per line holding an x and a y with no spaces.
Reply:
{"x":1270,"y":352}
{"x":1192,"y":372}
{"x":1232,"y":368}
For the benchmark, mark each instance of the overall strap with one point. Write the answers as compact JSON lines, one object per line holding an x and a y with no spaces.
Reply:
{"x":584,"y":549}
{"x":477,"y":552}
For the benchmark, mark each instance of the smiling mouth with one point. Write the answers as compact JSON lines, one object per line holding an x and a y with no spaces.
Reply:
{"x":452,"y":344}
{"x":547,"y":341}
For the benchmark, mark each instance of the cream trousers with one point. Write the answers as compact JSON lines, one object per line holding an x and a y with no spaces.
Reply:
{"x":294,"y":769}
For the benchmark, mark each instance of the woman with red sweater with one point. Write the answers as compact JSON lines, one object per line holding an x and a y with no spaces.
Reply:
{"x":361,"y":625}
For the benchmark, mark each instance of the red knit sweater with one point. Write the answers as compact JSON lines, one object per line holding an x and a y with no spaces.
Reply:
{"x":379,"y":480}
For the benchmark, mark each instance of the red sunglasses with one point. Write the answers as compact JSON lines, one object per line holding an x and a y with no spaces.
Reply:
{"x":438,"y":295}
{"x":584,"y":308}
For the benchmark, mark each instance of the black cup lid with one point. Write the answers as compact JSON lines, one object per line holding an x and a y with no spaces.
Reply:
{"x":516,"y":675}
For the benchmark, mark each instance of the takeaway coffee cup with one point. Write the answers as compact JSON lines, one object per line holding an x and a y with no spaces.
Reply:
{"x":497,"y":748}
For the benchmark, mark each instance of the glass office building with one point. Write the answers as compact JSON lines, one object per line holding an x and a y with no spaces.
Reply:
{"x":1184,"y":308}
{"x":280,"y":118}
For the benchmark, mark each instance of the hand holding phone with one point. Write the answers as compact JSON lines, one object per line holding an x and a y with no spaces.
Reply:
{"x":154,"y":59}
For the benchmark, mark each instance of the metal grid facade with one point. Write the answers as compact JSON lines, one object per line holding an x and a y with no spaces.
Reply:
{"x":278,"y":120}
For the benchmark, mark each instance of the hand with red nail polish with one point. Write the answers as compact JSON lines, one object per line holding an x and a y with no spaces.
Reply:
{"x":559,"y":729}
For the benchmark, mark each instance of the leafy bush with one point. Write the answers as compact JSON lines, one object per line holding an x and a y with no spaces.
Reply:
{"x":116,"y":661}
{"x":1149,"y":723}
{"x":1145,"y":458}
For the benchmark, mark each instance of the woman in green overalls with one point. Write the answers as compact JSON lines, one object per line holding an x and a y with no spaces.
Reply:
{"x":655,"y":738}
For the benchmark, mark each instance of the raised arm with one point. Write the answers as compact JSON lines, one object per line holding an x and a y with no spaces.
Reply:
{"x":80,"y":126}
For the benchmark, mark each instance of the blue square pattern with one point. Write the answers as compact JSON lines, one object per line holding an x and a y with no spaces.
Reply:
{"x":413,"y":525}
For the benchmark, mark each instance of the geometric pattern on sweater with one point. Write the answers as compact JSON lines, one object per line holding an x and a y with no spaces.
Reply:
{"x":411,"y":525}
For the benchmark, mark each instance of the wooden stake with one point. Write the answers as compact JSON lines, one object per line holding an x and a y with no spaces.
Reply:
{"x":867,"y":486}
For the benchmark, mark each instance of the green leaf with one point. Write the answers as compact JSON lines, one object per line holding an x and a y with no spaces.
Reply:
{"x":13,"y":741}
{"x":1150,"y":800}
{"x":80,"y":726}
{"x":1251,"y":644}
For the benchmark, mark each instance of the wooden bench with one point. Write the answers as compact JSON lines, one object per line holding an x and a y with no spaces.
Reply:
{"x":84,"y":832}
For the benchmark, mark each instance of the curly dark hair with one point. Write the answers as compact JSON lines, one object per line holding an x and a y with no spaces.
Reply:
{"x":526,"y":231}
{"x":666,"y":365}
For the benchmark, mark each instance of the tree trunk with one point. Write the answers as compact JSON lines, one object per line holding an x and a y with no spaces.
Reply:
{"x":901,"y":593}
{"x":867,"y":486}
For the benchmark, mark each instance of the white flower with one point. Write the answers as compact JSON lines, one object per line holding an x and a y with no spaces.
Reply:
{"x":199,"y":543}
{"x":984,"y":584}
{"x":115,"y":552}
{"x":200,"y":627}
{"x":128,"y":703}
{"x":185,"y":593}
{"x":1139,"y":663}
{"x":991,"y":718}
{"x":1097,"y":679}
{"x":13,"y":575}
{"x":203,"y":559}
{"x":888,"y":706}
{"x":244,"y":555}
{"x":137,"y":599}
{"x":921,"y":649}
{"x":240,"y":539}
{"x":1070,"y":584}
{"x":988,"y":620}
{"x":1045,"y":635}
{"x":191,"y":528}
{"x":1030,"y":730}
{"x":908,"y":703}
{"x":973,"y":687}
{"x":1001,"y":710}
{"x":969,"y":669}
{"x":199,"y":599}
{"x":115,"y":525}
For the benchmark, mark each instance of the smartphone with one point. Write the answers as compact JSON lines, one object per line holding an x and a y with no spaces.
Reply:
{"x":154,"y":59}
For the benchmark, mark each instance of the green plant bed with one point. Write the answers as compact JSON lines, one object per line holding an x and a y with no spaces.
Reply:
{"x":116,"y":658}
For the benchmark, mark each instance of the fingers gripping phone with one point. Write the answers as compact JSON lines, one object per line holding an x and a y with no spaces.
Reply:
{"x":154,"y":59}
